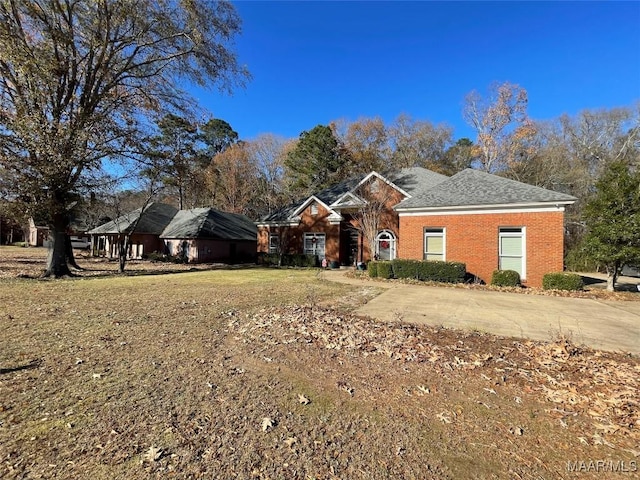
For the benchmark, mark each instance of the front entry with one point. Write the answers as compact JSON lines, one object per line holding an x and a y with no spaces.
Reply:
{"x":385,"y":245}
{"x":350,"y":247}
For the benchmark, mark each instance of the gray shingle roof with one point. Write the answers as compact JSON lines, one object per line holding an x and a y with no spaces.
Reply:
{"x":201,"y":223}
{"x":474,"y":188}
{"x":413,"y":180}
{"x":328,"y":196}
{"x":416,"y":180}
{"x":154,"y":220}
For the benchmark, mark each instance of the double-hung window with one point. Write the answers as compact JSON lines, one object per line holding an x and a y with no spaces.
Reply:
{"x":512,"y":250}
{"x":314,"y":244}
{"x":274,"y":243}
{"x":434,"y":244}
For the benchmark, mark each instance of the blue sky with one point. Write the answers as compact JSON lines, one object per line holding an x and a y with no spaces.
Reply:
{"x":313,"y":62}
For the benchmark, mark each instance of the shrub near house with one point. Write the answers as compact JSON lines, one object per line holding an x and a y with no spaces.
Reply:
{"x":434,"y":271}
{"x":562,"y":281}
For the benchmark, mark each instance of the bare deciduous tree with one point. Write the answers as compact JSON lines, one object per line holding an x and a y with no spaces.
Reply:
{"x":418,"y":143}
{"x":233,"y":176}
{"x":374,"y":213}
{"x":366,"y":142}
{"x":78,"y":79}
{"x":268,"y":152}
{"x":495,"y":119}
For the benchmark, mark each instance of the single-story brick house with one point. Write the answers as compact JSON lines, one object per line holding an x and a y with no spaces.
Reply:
{"x":198,"y":235}
{"x":142,"y":227}
{"x":486,"y":221}
{"x":210,"y":235}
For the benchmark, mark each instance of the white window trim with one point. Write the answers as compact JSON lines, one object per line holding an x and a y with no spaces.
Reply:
{"x":434,"y":234}
{"x":274,"y":249}
{"x":522,"y":234}
{"x":393,"y":243}
{"x":313,"y":208}
{"x":314,"y":234}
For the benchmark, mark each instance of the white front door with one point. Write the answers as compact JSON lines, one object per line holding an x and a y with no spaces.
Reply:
{"x":385,"y":245}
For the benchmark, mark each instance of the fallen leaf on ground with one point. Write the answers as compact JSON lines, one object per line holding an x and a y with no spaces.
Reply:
{"x":153,"y":454}
{"x":267,"y":423}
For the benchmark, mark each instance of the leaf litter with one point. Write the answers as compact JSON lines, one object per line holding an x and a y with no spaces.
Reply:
{"x":601,"y":386}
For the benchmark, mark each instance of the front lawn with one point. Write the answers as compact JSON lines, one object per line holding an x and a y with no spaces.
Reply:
{"x":264,"y":373}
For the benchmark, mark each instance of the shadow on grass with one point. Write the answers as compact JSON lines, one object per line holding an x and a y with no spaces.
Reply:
{"x":32,"y":364}
{"x":103,"y":273}
{"x":30,"y":261}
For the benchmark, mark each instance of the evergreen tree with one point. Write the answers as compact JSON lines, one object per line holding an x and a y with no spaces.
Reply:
{"x":613,"y":220}
{"x":316,"y":161}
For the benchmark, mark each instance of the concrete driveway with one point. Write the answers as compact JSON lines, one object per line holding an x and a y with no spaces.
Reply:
{"x":606,"y":325}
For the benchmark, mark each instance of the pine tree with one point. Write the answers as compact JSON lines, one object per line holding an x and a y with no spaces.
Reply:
{"x":613,"y":220}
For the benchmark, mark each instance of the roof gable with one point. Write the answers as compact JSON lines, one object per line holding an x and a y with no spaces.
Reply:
{"x":348,"y":200}
{"x":333,"y":215}
{"x":376,"y":175}
{"x":407,"y":181}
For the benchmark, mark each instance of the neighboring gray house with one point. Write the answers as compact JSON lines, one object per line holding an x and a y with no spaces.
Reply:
{"x":143,"y":229}
{"x":209,"y":235}
{"x":198,"y":235}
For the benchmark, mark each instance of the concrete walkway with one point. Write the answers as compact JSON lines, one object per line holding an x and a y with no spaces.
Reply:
{"x":605,"y":325}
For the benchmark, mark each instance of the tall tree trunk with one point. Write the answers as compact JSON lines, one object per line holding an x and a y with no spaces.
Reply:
{"x":612,"y":276}
{"x":71,"y":260}
{"x":57,"y":260}
{"x":123,"y":247}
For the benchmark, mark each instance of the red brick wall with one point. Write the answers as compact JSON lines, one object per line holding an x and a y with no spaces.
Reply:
{"x":309,"y":223}
{"x":319,"y":223}
{"x":473,"y":239}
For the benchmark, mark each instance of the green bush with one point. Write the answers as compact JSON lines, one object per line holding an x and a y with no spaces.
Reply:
{"x":301,"y":260}
{"x":425,"y":270}
{"x":288,"y":260}
{"x":268,"y":259}
{"x":385,"y":269}
{"x":505,"y":278}
{"x":372,"y":267}
{"x":405,"y":268}
{"x":562,"y":281}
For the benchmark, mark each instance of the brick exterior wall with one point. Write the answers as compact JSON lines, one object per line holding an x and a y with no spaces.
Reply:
{"x":334,"y":233}
{"x":294,"y":235}
{"x":473,"y":239}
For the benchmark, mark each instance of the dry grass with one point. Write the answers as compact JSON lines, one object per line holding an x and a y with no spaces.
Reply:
{"x":147,"y":376}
